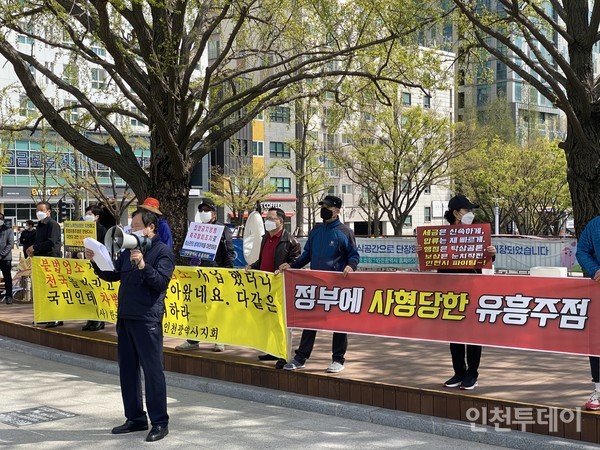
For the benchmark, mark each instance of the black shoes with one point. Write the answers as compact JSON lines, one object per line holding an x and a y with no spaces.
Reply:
{"x":455,"y":381}
{"x":93,"y":325}
{"x":9,"y":300}
{"x":130,"y":426}
{"x":157,"y":433}
{"x":54,"y":324}
{"x":280,"y":363}
{"x":267,"y":357}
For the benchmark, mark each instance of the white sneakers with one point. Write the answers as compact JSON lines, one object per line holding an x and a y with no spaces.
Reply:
{"x":187,"y":346}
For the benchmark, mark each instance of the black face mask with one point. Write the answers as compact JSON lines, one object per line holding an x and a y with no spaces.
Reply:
{"x":326,"y":214}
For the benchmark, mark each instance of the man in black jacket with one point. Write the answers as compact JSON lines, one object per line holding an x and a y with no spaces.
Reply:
{"x":144,"y":279}
{"x":47,"y":240}
{"x":277,"y":247}
{"x":27,"y":237}
{"x":47,"y":235}
{"x":223,"y":258}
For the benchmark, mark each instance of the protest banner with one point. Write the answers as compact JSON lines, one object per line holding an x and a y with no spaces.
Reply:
{"x":202,"y":241}
{"x":210,"y":304}
{"x":523,"y":312}
{"x":454,"y":247}
{"x":75,"y":231}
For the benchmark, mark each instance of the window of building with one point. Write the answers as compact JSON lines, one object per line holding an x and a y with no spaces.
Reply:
{"x":279,"y":150}
{"x":427,"y":189}
{"x":427,"y":101}
{"x":23,"y":38}
{"x":213,"y":48}
{"x":501,"y":89}
{"x":71,"y":114}
{"x":260,"y":116}
{"x":258,"y":148}
{"x":427,"y":214}
{"x":346,"y":189}
{"x":26,"y":107}
{"x":100,"y":51}
{"x":408,"y":221}
{"x":280,"y":114}
{"x":70,"y":74}
{"x":501,"y":71}
{"x":406,"y":99}
{"x":133,"y":121}
{"x":483,"y":94}
{"x":282,"y":184}
{"x":99,"y":78}
{"x":332,"y":190}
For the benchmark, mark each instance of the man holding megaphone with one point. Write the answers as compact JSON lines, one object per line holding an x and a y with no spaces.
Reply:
{"x":144,"y":268}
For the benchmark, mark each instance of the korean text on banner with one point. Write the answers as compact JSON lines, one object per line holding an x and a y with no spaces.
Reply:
{"x":524,"y":312}
{"x":454,"y":247}
{"x":227,"y":306}
{"x":218,"y":305}
{"x":75,"y":232}
{"x":202,"y":241}
{"x":68,"y":289}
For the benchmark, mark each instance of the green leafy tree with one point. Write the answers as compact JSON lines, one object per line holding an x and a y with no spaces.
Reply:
{"x":397,"y":152}
{"x":195,"y":72}
{"x":550,"y":45}
{"x":528,"y":183}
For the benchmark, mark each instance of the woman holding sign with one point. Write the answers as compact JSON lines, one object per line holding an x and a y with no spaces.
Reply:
{"x":460,"y":212}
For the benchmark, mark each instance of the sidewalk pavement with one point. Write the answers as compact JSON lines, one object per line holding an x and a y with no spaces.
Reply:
{"x":210,"y":414}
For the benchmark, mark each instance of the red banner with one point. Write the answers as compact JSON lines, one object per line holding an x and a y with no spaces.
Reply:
{"x":524,"y":312}
{"x":454,"y":247}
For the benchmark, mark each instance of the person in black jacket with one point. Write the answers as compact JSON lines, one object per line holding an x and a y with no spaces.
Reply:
{"x":47,"y":235}
{"x":7,"y":242}
{"x":27,"y":237}
{"x":460,"y":211}
{"x":223,"y":258}
{"x":144,"y":279}
{"x":93,"y":214}
{"x":47,"y":240}
{"x":277,"y":247}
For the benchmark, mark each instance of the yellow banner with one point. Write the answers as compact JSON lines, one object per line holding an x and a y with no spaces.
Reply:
{"x":227,"y":306}
{"x":75,"y":231}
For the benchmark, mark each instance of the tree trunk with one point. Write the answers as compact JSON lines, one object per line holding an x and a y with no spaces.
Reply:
{"x":583,"y":174}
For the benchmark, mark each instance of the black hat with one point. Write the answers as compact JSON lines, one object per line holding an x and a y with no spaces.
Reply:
{"x":331,"y":200}
{"x":207,"y":202}
{"x":459,"y":202}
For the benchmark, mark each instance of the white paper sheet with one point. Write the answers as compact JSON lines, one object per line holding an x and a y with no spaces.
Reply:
{"x":101,"y":256}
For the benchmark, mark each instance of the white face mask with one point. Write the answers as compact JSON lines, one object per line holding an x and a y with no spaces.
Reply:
{"x":467,"y":219}
{"x":270,"y":225}
{"x":205,"y":216}
{"x":89,"y":218}
{"x":41,"y":215}
{"x":138,"y":233}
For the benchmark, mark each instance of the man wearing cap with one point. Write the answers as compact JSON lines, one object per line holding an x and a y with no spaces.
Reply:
{"x":330,"y":246}
{"x":164,"y":231}
{"x":223,"y":258}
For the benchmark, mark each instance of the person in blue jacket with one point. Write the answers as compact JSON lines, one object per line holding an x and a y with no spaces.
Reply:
{"x":144,"y":274}
{"x":588,"y":256}
{"x":330,"y":246}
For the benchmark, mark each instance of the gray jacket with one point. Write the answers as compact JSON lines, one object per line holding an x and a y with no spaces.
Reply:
{"x":7,"y":241}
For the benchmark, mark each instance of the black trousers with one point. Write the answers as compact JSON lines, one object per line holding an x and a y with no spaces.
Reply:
{"x":5,"y":266}
{"x":339,"y":345}
{"x":140,"y":345}
{"x":473,"y":353}
{"x":595,"y":367}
